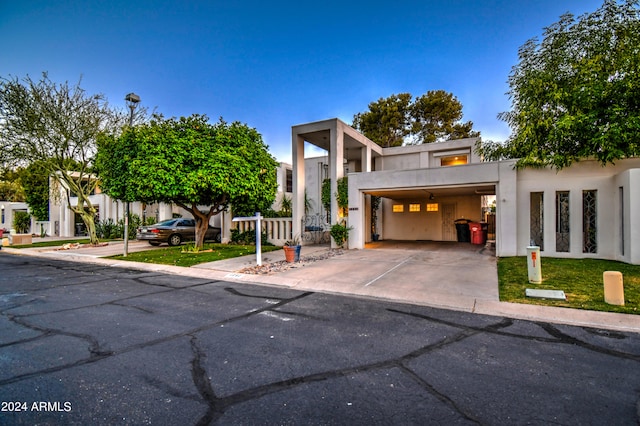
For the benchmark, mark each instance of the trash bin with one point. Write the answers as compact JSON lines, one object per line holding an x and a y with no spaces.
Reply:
{"x":478,"y":236}
{"x":462,"y":229}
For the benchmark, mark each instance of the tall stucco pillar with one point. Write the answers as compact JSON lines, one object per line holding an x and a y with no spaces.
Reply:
{"x":336,"y":168}
{"x":365,"y":159}
{"x":297,"y":149}
{"x":506,"y":211}
{"x":226,"y":225}
{"x":632,"y":229}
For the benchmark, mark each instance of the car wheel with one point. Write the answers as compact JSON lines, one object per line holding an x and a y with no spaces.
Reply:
{"x":218,"y":237}
{"x":174,"y":240}
{"x":154,"y":243}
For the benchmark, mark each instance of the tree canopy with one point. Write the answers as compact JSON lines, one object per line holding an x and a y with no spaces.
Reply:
{"x":11,"y":188}
{"x":55,"y":125}
{"x":35,"y":181}
{"x":191,"y":163}
{"x":399,"y":119}
{"x":576,"y":94}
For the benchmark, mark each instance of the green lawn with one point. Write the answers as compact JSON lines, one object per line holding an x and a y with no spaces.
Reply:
{"x":580,"y":279}
{"x":180,"y":256}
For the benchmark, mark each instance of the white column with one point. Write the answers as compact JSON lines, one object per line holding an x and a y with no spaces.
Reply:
{"x":365,"y":159}
{"x":507,"y":243}
{"x":336,"y":168}
{"x":632,"y":228}
{"x":297,"y":149}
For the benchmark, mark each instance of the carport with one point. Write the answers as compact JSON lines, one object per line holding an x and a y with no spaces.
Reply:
{"x":457,"y":191}
{"x":429,"y":213}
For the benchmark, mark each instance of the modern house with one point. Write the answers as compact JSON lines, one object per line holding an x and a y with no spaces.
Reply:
{"x":583,"y":211}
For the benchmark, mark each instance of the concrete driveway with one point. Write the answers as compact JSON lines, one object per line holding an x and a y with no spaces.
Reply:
{"x":433,"y":273}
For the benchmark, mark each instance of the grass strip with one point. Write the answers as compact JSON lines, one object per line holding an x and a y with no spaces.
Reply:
{"x":179,"y":256}
{"x":54,"y":243}
{"x":580,"y":279}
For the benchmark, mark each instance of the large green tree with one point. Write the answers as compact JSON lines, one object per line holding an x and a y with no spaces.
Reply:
{"x":55,"y":125}
{"x":191,"y":163}
{"x":576,"y":94}
{"x":35,"y":181}
{"x":399,"y":119}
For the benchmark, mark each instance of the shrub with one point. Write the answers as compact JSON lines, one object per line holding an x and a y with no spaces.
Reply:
{"x":248,"y":237}
{"x":21,"y":221}
{"x":340,"y":233}
{"x":108,"y":229}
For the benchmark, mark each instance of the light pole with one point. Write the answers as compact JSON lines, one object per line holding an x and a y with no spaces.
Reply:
{"x":132,"y":101}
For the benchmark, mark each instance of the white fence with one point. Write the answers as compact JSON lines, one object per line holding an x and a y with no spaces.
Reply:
{"x":278,"y":229}
{"x":41,"y":228}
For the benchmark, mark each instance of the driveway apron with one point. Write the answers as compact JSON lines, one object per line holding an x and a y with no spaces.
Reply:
{"x":419,"y":272}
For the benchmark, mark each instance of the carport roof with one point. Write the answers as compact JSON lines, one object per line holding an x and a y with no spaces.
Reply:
{"x":440,"y":191}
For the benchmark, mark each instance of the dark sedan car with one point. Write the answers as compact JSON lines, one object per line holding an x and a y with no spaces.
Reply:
{"x":174,"y":232}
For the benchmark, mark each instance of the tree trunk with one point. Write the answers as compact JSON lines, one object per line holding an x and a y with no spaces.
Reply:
{"x":88,"y":217}
{"x":202,"y":224}
{"x":202,"y":218}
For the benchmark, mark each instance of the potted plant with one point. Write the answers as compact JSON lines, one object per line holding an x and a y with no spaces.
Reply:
{"x":292,"y":249}
{"x":340,"y":233}
{"x":21,"y":224}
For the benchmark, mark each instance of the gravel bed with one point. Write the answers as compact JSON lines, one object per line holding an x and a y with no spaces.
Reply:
{"x":283,"y":265}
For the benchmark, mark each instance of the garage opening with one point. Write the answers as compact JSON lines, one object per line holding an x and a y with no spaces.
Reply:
{"x":430,"y":213}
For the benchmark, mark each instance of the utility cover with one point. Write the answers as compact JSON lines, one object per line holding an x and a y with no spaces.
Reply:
{"x":545,"y":294}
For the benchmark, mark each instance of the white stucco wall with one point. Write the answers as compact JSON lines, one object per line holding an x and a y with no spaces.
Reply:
{"x":315,"y":172}
{"x":585,"y":175}
{"x":628,"y":183}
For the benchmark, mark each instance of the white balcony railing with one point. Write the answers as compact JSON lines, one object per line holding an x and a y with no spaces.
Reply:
{"x":278,"y":229}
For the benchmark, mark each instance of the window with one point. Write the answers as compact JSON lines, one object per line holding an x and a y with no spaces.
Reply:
{"x":454,"y":160}
{"x":289,"y":181}
{"x":562,"y":221}
{"x":398,"y":208}
{"x":414,"y":207}
{"x":589,"y":222}
{"x":432,"y":207}
{"x":536,"y":219}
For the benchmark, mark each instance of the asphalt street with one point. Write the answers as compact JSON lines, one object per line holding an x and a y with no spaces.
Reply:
{"x":94,"y":344}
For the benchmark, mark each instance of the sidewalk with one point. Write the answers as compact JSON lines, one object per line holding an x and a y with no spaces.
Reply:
{"x":456,"y":277}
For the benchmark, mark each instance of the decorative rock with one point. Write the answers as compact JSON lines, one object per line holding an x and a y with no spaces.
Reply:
{"x":283,"y":265}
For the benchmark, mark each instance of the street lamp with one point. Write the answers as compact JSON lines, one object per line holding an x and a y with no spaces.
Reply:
{"x":132,"y":101}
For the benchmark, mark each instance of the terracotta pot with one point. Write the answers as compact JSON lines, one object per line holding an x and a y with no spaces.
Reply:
{"x":292,"y":253}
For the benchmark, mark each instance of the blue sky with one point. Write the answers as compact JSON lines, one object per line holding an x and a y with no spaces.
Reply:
{"x":279,"y":63}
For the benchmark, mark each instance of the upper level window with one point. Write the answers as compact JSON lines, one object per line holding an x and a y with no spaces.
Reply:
{"x":289,"y":181}
{"x":454,"y":160}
